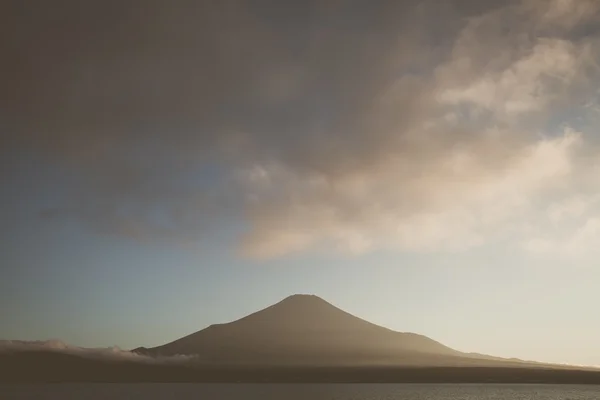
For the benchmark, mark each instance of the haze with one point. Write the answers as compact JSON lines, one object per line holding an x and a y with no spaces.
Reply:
{"x":429,"y":166}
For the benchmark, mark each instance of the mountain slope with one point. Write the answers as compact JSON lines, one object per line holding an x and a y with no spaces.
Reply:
{"x":305,"y":329}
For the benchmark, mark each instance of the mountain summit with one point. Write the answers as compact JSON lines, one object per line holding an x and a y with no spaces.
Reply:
{"x":304,"y":329}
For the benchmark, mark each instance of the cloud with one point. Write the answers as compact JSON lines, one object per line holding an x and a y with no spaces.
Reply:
{"x":109,"y":353}
{"x":526,"y":85}
{"x":572,"y":244}
{"x":454,"y":202}
{"x":566,"y":14}
{"x":412,"y":126}
{"x":569,"y":230}
{"x":573,"y":207}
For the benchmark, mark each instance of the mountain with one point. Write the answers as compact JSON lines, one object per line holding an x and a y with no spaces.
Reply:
{"x":307,"y":330}
{"x":300,"y":339}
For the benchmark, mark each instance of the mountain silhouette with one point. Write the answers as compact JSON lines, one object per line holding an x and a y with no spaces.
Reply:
{"x":307,"y":330}
{"x":303,"y":338}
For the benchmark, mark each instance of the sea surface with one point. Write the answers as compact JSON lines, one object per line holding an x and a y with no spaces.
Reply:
{"x":298,"y":392}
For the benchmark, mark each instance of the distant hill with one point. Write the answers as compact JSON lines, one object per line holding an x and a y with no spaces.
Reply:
{"x":307,"y":330}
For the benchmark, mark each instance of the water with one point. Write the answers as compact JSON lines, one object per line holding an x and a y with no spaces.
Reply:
{"x":298,"y":392}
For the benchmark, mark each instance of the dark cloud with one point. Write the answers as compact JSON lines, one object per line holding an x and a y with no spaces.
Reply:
{"x":100,"y":78}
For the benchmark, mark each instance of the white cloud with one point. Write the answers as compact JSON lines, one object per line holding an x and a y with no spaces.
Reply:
{"x":445,"y":179}
{"x":524,"y":86}
{"x":407,"y":205}
{"x":572,"y":207}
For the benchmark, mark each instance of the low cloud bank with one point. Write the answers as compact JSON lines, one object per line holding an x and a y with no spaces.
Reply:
{"x":103,"y":353}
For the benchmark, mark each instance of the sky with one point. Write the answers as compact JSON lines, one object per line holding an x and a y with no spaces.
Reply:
{"x":432,"y":167}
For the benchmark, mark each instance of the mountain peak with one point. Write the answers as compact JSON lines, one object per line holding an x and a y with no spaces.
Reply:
{"x":299,"y":328}
{"x":302,"y":295}
{"x":308,"y":304}
{"x":303,"y":298}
